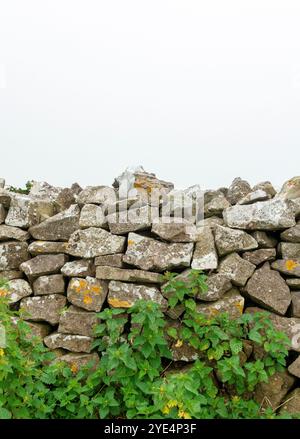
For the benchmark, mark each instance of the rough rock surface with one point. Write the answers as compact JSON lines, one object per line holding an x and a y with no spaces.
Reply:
{"x":237,"y":269}
{"x":127,"y":275}
{"x":289,"y":267}
{"x":75,"y":320}
{"x":294,"y":284}
{"x":129,"y":220}
{"x":292,"y":234}
{"x":264,"y":239}
{"x":89,"y":293}
{"x":92,"y":216}
{"x":43,"y":264}
{"x":10,"y":232}
{"x":294,"y":367}
{"x":238,"y":190}
{"x":18,"y":288}
{"x":271,"y":394}
{"x":290,"y":250}
{"x":291,"y":189}
{"x":230,"y":240}
{"x":70,"y":342}
{"x":231,"y":302}
{"x":174,"y":230}
{"x":253,"y":197}
{"x":79,"y":268}
{"x":12,"y":254}
{"x":46,"y":247}
{"x":43,"y":308}
{"x":110,"y":260}
{"x":295,"y":304}
{"x":51,"y":284}
{"x":205,"y":255}
{"x":292,"y":403}
{"x":124,"y":295}
{"x":261,"y":255}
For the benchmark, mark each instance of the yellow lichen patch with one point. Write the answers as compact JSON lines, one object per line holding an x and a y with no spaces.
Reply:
{"x":87,"y":299}
{"x":117,"y":303}
{"x":3,"y":293}
{"x":239,"y":306}
{"x":290,"y":264}
{"x":74,"y":368}
{"x":130,"y":242}
{"x":96,"y":289}
{"x":214,"y":312}
{"x":178,"y":343}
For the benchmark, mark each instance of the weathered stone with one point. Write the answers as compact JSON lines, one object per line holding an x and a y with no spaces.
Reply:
{"x":92,"y":216}
{"x":103,"y":195}
{"x":92,"y":242}
{"x":264,"y":240}
{"x":129,"y":220}
{"x":79,"y":268}
{"x":127,"y":275}
{"x":47,"y":247}
{"x":17,"y":289}
{"x":265,"y":186}
{"x":292,"y":234}
{"x":76,"y":361}
{"x":51,"y":284}
{"x":218,"y":285}
{"x":149,"y":254}
{"x":70,"y":342}
{"x":130,"y":201}
{"x":215,"y":203}
{"x":76,"y":189}
{"x":174,"y":229}
{"x":290,"y":189}
{"x":41,"y":308}
{"x":259,"y":256}
{"x":231,"y":240}
{"x":253,"y":197}
{"x":205,"y":255}
{"x":237,"y":269}
{"x":61,"y":197}
{"x":295,"y":304}
{"x":271,"y":394}
{"x":12,"y":254}
{"x":77,"y":321}
{"x":25,"y":212}
{"x":59,"y":227}
{"x":124,"y":295}
{"x":294,"y":284}
{"x":89,"y":293}
{"x":237,"y":190}
{"x":294,"y":368}
{"x":9,"y":232}
{"x":187,"y":203}
{"x":212,"y":222}
{"x":5,"y":198}
{"x":290,"y":267}
{"x":292,"y":403}
{"x":289,"y":325}
{"x":289,"y":250}
{"x":110,"y":260}
{"x":274,"y":214}
{"x":43,"y":264}
{"x":2,"y":213}
{"x":231,"y":302}
{"x":11,"y":274}
{"x":176,"y":312}
{"x":267,"y":288}
{"x":40,"y":330}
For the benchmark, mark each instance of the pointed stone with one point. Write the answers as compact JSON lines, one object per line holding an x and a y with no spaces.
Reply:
{"x":205,"y":255}
{"x":130,"y":220}
{"x":89,"y":293}
{"x":237,"y":269}
{"x":294,"y":368}
{"x":238,"y":189}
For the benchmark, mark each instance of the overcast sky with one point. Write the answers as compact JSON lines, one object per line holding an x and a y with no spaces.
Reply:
{"x":195,"y":91}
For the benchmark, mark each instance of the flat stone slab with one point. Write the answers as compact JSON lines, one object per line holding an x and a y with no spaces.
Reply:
{"x":292,"y":234}
{"x":43,"y":264}
{"x":290,"y":250}
{"x":92,"y":216}
{"x":10,"y":232}
{"x":78,"y":360}
{"x":205,"y":256}
{"x":131,"y":220}
{"x":79,"y":268}
{"x":290,"y":267}
{"x":110,"y":260}
{"x":70,"y":342}
{"x":89,"y":293}
{"x":259,"y":256}
{"x":264,"y":239}
{"x":294,"y":284}
{"x":46,"y":247}
{"x":43,"y":308}
{"x":231,"y":302}
{"x":75,"y":320}
{"x":51,"y":284}
{"x":174,"y":229}
{"x":127,"y":275}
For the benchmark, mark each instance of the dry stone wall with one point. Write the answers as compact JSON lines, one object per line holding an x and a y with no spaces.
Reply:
{"x":70,"y":252}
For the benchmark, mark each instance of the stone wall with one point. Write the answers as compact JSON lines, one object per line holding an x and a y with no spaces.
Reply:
{"x":70,"y":252}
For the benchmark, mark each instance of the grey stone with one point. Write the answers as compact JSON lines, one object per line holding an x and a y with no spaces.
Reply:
{"x":265,"y":186}
{"x":231,"y":302}
{"x":9,"y":232}
{"x":230,"y":240}
{"x":238,"y":189}
{"x":215,"y":203}
{"x":259,"y":256}
{"x":290,"y":189}
{"x":127,"y":275}
{"x":51,"y":284}
{"x":253,"y":197}
{"x":77,"y":321}
{"x":43,"y":264}
{"x":103,"y":195}
{"x":267,"y":288}
{"x":59,"y":227}
{"x":295,"y":304}
{"x":125,"y":295}
{"x":25,"y":212}
{"x":5,"y":198}
{"x":292,"y":234}
{"x":174,"y":229}
{"x":39,"y":330}
{"x":237,"y":269}
{"x":61,"y":197}
{"x":2,"y":214}
{"x":187,"y":203}
{"x":40,"y":308}
{"x":289,"y":250}
{"x":17,"y":289}
{"x":205,"y":255}
{"x":294,"y":368}
{"x":11,"y":274}
{"x":130,"y":220}
{"x":290,"y":267}
{"x":89,"y":293}
{"x":218,"y":285}
{"x":110,"y":260}
{"x":47,"y":247}
{"x":70,"y":342}
{"x":264,"y":240}
{"x":92,"y":216}
{"x":92,"y":242}
{"x":274,"y":214}
{"x":271,"y":394}
{"x":212,"y":222}
{"x":294,"y":284}
{"x":79,"y":268}
{"x":292,"y":403}
{"x":149,"y":254}
{"x":12,"y":254}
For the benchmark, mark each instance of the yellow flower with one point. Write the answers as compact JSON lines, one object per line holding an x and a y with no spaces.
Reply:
{"x":166,"y":410}
{"x":74,"y":368}
{"x":290,"y":264}
{"x":184,"y":415}
{"x":1,"y":352}
{"x":236,"y":398}
{"x":172,"y":403}
{"x":178,"y":344}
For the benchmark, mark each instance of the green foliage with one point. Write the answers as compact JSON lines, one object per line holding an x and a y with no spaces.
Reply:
{"x":135,"y":377}
{"x":19,"y":190}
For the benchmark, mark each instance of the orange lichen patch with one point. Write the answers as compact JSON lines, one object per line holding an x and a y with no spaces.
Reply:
{"x":178,"y":344}
{"x":87,"y":299}
{"x":290,"y":264}
{"x":3,"y":293}
{"x":130,"y":242}
{"x":239,"y":306}
{"x":214,"y":312}
{"x":96,"y":289}
{"x":74,"y":368}
{"x":117,"y":303}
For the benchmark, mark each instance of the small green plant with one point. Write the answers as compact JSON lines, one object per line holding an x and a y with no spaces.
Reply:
{"x":18,"y":190}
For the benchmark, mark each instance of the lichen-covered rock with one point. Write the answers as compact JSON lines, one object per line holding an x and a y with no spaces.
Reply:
{"x":267,"y":288}
{"x":238,"y":189}
{"x":289,"y":250}
{"x":231,"y":302}
{"x":76,"y":361}
{"x":259,"y":256}
{"x":2,"y":214}
{"x":43,"y":264}
{"x":292,"y":234}
{"x":59,"y":227}
{"x":205,"y":255}
{"x":70,"y":342}
{"x":294,"y":367}
{"x":5,"y":198}
{"x":51,"y":284}
{"x":11,"y":274}
{"x":294,"y":284}
{"x":61,"y":197}
{"x":217,"y":285}
{"x":9,"y":232}
{"x":231,"y":240}
{"x":131,"y":220}
{"x":103,"y":195}
{"x":290,"y":189}
{"x":264,"y":240}
{"x":174,"y":229}
{"x":17,"y":289}
{"x":274,"y":214}
{"x":89,"y":293}
{"x":271,"y":394}
{"x":295,"y":304}
{"x":40,"y":330}
{"x":215,"y":203}
{"x":92,"y":216}
{"x":237,"y":269}
{"x":25,"y":211}
{"x":110,"y":260}
{"x":79,"y":268}
{"x":12,"y":254}
{"x":75,"y":320}
{"x":149,"y":254}
{"x":92,"y":242}
{"x":128,"y":275}
{"x":265,"y":186}
{"x":43,"y":308}
{"x":124,"y":295}
{"x":253,"y":197}
{"x":212,"y":222}
{"x":290,"y":267}
{"x":292,"y":403}
{"x":46,"y":247}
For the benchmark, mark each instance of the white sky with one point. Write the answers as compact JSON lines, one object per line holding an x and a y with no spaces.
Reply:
{"x":196,"y":91}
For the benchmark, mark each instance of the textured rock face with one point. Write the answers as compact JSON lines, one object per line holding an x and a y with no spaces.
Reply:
{"x":290,"y":250}
{"x":9,"y":232}
{"x":49,"y":285}
{"x":232,"y":303}
{"x":205,"y":255}
{"x":46,"y":247}
{"x":290,"y":267}
{"x":18,"y":288}
{"x":110,"y":260}
{"x":93,"y":242}
{"x":229,"y":240}
{"x":43,"y":308}
{"x":149,"y":254}
{"x":272,"y":393}
{"x":43,"y":264}
{"x":88,"y":293}
{"x":294,"y":368}
{"x":79,"y":268}
{"x":70,"y":342}
{"x":174,"y":230}
{"x":102,"y":195}
{"x":78,"y":360}
{"x":25,"y":212}
{"x":292,"y":403}
{"x":12,"y":254}
{"x":238,"y":190}
{"x":125,"y":275}
{"x":292,"y":234}
{"x":237,"y":269}
{"x":129,"y":221}
{"x":275,"y":214}
{"x":291,"y":189}
{"x":253,"y":197}
{"x":92,"y":216}
{"x":61,"y":197}
{"x":261,"y":255}
{"x":264,"y":239}
{"x":77,"y":321}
